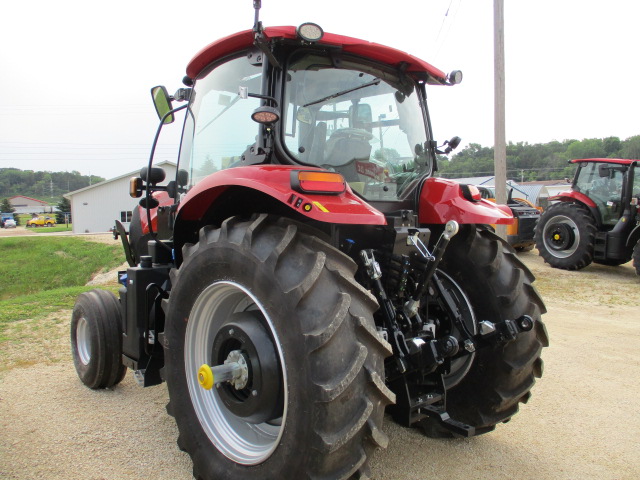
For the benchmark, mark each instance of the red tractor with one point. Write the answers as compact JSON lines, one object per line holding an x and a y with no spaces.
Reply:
{"x":305,"y":272}
{"x":598,"y":220}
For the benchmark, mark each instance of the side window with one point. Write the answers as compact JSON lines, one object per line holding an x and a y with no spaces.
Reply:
{"x":125,"y":216}
{"x":636,"y":181}
{"x":218,"y":128}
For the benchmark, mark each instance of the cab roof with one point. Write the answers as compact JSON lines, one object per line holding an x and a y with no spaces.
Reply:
{"x":374,"y":51}
{"x":619,"y":161}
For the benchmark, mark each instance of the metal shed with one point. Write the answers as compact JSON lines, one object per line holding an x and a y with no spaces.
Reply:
{"x":97,"y":207}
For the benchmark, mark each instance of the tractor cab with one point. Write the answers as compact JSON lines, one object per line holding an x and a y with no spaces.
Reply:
{"x":335,"y":112}
{"x":603,"y":182}
{"x":320,"y":101}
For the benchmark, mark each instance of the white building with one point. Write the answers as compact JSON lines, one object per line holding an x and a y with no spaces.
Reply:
{"x":97,"y":207}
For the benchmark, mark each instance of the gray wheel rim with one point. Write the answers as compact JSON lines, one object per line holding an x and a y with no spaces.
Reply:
{"x":83,"y":341}
{"x":546,"y":236}
{"x":243,"y":442}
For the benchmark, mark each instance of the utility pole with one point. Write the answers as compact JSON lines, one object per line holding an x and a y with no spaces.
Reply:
{"x":500,"y":147}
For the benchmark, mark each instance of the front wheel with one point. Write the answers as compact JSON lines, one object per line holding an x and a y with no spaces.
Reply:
{"x":96,"y":339}
{"x":636,"y":257}
{"x":284,"y":307}
{"x":565,"y":236}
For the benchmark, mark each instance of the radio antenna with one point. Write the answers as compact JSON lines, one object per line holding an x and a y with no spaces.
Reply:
{"x":257,"y":24}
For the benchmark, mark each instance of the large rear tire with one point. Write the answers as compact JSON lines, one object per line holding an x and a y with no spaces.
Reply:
{"x":495,"y":286}
{"x":96,"y":339}
{"x":314,"y":401}
{"x":565,"y":236}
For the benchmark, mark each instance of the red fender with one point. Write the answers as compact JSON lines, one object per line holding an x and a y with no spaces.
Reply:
{"x":165,"y":200}
{"x":442,"y":200}
{"x":571,"y":195}
{"x":275,"y":181}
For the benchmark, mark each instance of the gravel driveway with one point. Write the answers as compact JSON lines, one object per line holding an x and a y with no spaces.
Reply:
{"x":582,"y":421}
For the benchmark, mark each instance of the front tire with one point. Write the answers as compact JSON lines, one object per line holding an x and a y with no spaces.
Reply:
{"x":290,"y":304}
{"x":496,"y":286}
{"x":636,"y":257}
{"x":96,"y":339}
{"x":565,"y":236}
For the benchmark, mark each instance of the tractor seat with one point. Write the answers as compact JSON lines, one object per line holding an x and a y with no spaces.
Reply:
{"x":344,"y":149}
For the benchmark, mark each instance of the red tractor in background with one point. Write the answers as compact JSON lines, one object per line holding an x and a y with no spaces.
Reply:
{"x":598,"y":220}
{"x":305,"y":272}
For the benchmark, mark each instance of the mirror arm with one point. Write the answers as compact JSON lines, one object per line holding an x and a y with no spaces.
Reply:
{"x":182,"y":95}
{"x":148,"y":197}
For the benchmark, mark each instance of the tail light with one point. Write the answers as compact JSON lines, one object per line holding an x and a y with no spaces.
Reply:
{"x":328,"y":183}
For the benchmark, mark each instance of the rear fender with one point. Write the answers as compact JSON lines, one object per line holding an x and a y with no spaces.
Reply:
{"x":139,"y":233}
{"x":164,"y":201}
{"x":442,"y":200}
{"x":274,"y":181}
{"x":577,"y":197}
{"x":573,"y":196}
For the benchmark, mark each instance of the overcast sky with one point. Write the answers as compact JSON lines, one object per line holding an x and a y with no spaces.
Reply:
{"x":75,"y":75}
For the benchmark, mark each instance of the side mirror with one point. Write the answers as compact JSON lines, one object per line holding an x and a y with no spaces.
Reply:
{"x":162,"y":102}
{"x":454,"y":142}
{"x":451,"y":145}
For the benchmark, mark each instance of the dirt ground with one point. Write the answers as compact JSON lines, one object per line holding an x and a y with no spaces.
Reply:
{"x":582,"y":421}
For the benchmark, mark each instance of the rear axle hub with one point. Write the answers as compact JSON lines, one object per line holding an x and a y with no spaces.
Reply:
{"x":250,"y":385}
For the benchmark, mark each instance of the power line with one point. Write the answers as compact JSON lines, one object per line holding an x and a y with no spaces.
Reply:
{"x":453,"y":19}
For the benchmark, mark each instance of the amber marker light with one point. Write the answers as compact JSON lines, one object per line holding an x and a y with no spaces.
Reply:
{"x":318,"y":182}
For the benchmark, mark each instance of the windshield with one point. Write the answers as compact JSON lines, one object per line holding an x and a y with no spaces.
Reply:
{"x":605,"y":191}
{"x":366,"y":124}
{"x":218,"y":128}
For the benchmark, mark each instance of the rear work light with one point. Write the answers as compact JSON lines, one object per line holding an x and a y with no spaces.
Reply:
{"x":328,"y":183}
{"x":310,"y":32}
{"x":470,"y":192}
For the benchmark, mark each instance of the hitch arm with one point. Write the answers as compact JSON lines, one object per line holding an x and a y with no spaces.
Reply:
{"x":412,"y":305}
{"x":398,"y":341}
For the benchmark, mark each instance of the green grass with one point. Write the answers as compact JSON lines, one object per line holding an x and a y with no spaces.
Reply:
{"x":38,"y":306}
{"x":58,"y":228}
{"x":40,"y":279}
{"x":35,"y":264}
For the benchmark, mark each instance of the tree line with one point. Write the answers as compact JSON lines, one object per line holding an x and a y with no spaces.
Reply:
{"x":539,"y":161}
{"x":45,"y":186}
{"x":525,"y":162}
